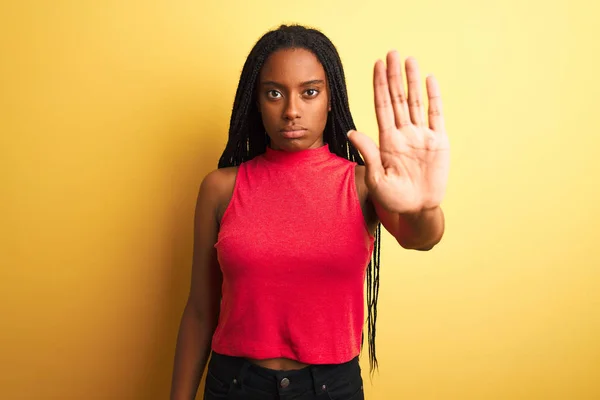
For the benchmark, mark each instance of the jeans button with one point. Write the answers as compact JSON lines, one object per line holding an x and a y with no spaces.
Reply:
{"x":285,"y":382}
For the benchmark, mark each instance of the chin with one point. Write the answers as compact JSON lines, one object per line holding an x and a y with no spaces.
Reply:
{"x":290,"y":144}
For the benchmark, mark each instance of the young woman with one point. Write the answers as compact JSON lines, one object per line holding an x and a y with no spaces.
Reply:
{"x":287,"y":229}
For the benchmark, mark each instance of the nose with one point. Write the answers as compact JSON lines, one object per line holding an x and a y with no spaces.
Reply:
{"x":292,"y":110}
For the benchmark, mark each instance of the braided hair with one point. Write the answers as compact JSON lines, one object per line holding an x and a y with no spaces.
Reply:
{"x":247,"y":137}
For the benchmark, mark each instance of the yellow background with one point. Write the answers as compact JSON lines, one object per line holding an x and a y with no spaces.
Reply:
{"x":113,"y":111}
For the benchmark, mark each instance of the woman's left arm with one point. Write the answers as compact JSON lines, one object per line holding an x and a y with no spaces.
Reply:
{"x":417,"y":231}
{"x":407,"y":174}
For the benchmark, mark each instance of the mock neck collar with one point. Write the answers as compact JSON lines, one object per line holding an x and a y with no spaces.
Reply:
{"x":307,"y":156}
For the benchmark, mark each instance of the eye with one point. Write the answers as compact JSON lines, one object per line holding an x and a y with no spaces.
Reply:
{"x":273,"y":94}
{"x":312,"y":92}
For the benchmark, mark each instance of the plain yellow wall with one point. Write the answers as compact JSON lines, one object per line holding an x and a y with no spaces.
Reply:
{"x":113,"y":111}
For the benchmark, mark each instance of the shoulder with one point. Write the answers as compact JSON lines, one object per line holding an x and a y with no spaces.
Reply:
{"x":361,"y":186}
{"x":219,"y":183}
{"x":220,"y":176}
{"x":367,"y":206}
{"x":216,"y":190}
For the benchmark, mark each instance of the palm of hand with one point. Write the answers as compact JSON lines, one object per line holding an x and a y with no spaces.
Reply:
{"x":408,"y":172}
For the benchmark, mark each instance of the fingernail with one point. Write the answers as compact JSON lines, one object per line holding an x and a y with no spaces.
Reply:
{"x":348,"y":133}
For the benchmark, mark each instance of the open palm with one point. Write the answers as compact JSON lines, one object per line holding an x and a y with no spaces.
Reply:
{"x":408,"y":172}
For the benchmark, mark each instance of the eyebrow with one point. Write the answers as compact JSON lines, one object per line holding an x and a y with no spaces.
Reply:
{"x":307,"y":83}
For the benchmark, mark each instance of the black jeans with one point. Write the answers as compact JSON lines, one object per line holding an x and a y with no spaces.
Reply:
{"x":236,"y":378}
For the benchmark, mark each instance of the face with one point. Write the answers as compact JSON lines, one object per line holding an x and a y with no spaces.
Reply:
{"x":293,"y":99}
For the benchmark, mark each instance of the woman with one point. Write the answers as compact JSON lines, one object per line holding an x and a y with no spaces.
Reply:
{"x":287,"y":224}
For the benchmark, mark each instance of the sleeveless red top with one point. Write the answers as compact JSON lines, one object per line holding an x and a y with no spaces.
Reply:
{"x":293,"y":247}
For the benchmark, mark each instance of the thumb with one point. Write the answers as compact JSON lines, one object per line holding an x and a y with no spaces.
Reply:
{"x":367,"y":148}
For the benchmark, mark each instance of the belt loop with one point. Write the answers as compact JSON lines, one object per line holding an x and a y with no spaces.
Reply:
{"x":313,"y":375}
{"x":242,"y":373}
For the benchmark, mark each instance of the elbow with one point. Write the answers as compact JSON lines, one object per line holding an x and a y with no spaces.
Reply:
{"x":205,"y":316}
{"x":418,"y":245}
{"x":425,"y":248}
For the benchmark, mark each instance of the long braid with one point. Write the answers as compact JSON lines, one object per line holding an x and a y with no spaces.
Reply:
{"x":247,"y":137}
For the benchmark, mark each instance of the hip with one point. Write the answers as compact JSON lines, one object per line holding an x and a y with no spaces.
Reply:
{"x":237,"y":378}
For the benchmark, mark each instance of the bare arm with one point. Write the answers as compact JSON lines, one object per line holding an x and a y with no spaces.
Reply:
{"x":201,"y":312}
{"x":407,"y":173}
{"x":417,"y":231}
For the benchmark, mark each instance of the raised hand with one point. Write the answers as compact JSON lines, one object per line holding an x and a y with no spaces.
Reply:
{"x":408,"y":172}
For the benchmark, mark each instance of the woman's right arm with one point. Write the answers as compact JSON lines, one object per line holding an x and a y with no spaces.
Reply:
{"x":201,"y":312}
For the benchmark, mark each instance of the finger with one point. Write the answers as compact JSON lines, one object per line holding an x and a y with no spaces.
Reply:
{"x":415,"y":99}
{"x":436,"y":117}
{"x":397,"y":92}
{"x":383,"y":103}
{"x":368,"y":149}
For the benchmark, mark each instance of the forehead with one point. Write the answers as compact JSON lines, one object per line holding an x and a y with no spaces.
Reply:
{"x":292,"y":66}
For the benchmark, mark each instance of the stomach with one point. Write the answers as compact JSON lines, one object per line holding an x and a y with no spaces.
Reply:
{"x":278,"y":364}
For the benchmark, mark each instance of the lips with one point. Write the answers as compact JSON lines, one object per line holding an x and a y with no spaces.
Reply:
{"x":293,"y":132}
{"x":293,"y":128}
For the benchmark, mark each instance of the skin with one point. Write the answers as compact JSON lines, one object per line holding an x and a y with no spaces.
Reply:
{"x":406,"y":175}
{"x":292,"y":92}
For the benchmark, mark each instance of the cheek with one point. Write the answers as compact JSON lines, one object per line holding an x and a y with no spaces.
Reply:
{"x":271,"y":118}
{"x":269,"y":114}
{"x":324,"y":111}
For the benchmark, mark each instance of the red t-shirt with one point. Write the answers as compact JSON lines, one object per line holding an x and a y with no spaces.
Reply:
{"x":293,"y":247}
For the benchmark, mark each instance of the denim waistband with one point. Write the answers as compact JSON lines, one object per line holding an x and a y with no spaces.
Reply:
{"x":240,"y":371}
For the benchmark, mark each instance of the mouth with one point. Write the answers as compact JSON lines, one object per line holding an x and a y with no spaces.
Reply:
{"x":293,"y":132}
